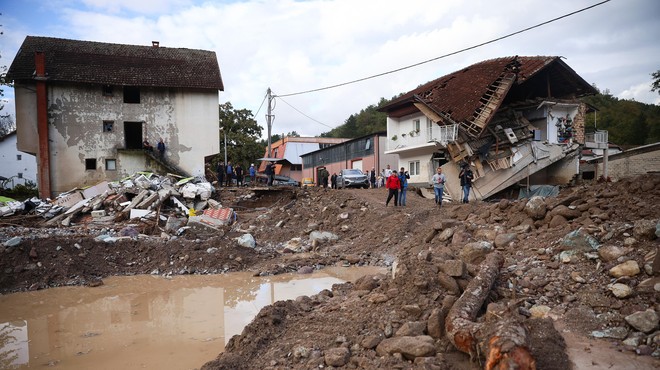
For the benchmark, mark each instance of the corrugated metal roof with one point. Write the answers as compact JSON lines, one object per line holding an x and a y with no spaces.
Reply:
{"x":117,"y":64}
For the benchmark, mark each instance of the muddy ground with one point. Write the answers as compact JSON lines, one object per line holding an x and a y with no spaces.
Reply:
{"x":432,"y":254}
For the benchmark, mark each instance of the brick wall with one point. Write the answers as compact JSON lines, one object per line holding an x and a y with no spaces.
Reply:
{"x":631,"y":164}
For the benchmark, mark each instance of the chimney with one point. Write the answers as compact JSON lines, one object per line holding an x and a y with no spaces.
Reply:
{"x":155,"y":44}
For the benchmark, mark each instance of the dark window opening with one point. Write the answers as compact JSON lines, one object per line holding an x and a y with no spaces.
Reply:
{"x":108,"y":125}
{"x":133,"y":135}
{"x":131,"y":95}
{"x":19,"y":157}
{"x":296,"y":167}
{"x":107,"y":90}
{"x":20,"y":175}
{"x":90,"y":163}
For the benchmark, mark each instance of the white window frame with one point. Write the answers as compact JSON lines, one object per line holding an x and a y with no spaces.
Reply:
{"x":111,"y":164}
{"x":413,"y":168}
{"x":416,"y":125}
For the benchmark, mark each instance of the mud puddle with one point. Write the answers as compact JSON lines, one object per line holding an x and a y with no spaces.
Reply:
{"x":144,"y":322}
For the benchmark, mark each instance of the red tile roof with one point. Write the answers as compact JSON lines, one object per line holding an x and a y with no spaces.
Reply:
{"x":117,"y":64}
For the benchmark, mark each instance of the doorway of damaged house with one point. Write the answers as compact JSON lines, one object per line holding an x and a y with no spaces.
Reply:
{"x":133,"y":135}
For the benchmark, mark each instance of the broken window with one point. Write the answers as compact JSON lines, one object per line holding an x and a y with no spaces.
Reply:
{"x":111,"y":164}
{"x":131,"y":95}
{"x":107,"y":90}
{"x":108,"y":125}
{"x":90,"y":163}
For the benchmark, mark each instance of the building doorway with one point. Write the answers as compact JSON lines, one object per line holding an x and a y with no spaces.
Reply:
{"x":133,"y":135}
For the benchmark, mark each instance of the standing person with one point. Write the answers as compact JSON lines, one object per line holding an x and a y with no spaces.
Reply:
{"x":333,"y":180}
{"x":438,"y":181}
{"x":388,"y":171}
{"x":466,"y":177}
{"x":221,"y":173}
{"x":270,"y":172}
{"x":161,"y":149}
{"x":382,"y":178}
{"x":324,"y":177}
{"x":253,"y":173}
{"x":239,"y":174}
{"x":230,"y":173}
{"x":372,"y":178}
{"x":403,"y":182}
{"x":393,"y":186}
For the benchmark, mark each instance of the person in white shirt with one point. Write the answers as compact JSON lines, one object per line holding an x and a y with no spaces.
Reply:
{"x":438,"y":181}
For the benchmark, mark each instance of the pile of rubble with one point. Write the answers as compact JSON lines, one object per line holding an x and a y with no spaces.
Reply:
{"x":180,"y":203}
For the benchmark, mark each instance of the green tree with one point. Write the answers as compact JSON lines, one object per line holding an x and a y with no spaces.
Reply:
{"x":655,"y":86}
{"x":242,"y":133}
{"x":368,"y":121}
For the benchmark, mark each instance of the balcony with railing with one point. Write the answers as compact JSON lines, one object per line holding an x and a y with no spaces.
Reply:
{"x":596,"y":140}
{"x":435,"y":135}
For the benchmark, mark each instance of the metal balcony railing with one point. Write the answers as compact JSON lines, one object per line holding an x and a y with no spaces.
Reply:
{"x":596,"y":139}
{"x":438,"y":134}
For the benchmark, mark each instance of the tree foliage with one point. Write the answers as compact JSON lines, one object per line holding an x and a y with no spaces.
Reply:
{"x":242,"y":133}
{"x":368,"y":121}
{"x":655,"y":85}
{"x":629,"y":123}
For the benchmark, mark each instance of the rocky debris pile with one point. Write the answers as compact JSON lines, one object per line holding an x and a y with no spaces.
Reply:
{"x":587,"y":258}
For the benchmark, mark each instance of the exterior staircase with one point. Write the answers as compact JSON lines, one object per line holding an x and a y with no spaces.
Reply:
{"x":169,"y":167}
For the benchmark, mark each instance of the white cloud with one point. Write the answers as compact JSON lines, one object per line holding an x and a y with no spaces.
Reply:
{"x":641,"y":93}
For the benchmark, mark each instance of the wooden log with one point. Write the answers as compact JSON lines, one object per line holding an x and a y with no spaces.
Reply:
{"x":503,"y":341}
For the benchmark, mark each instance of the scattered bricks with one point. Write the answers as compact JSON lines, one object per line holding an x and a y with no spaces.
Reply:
{"x":98,"y":214}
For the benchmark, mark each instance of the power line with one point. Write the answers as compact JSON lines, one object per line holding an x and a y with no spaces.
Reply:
{"x":262,"y":104}
{"x":297,"y":110}
{"x":450,"y":54}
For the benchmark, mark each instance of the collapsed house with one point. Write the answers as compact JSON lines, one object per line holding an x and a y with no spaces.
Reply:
{"x":510,"y":119}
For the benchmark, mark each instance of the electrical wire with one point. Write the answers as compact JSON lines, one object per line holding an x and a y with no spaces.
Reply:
{"x":449,"y":54}
{"x":262,"y":104}
{"x":297,"y":110}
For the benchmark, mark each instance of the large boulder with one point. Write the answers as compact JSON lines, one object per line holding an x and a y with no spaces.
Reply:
{"x":536,"y":207}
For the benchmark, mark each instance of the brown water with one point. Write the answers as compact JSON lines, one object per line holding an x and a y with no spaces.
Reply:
{"x":144,"y":322}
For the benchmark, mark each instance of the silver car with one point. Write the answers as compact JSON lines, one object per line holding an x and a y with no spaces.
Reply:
{"x":352,"y":178}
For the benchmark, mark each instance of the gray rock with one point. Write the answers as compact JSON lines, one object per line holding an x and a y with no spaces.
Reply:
{"x":472,"y":252}
{"x":13,"y":242}
{"x":411,"y":329}
{"x":446,"y":234}
{"x":337,"y":356}
{"x":409,"y":347}
{"x":621,"y":290}
{"x":614,"y":333}
{"x":580,"y":240}
{"x":536,"y":207}
{"x":645,"y":229}
{"x":371,"y":341}
{"x":645,"y":321}
{"x":322,"y":236}
{"x":503,"y":240}
{"x":247,"y":241}
{"x":611,"y":252}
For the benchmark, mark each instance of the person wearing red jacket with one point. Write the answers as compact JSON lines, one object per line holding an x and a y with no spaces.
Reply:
{"x":393,"y":185}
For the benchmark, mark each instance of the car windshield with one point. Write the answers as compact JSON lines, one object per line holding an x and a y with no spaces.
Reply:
{"x":353,"y":172}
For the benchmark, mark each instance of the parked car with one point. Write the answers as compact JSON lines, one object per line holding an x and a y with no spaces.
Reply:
{"x":307,"y":182}
{"x":284,"y":181}
{"x":352,"y":178}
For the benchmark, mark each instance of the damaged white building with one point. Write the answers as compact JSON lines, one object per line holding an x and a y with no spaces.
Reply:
{"x":512,"y":119}
{"x":85,"y":108}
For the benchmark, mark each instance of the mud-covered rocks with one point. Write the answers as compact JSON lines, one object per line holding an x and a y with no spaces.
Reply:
{"x":409,"y":347}
{"x":644,"y":321}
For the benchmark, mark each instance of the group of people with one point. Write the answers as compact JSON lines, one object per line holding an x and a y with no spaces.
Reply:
{"x":160,"y":147}
{"x":227,"y":173}
{"x":397,"y":186}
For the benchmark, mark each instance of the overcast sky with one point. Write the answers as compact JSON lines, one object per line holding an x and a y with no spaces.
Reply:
{"x":293,"y":46}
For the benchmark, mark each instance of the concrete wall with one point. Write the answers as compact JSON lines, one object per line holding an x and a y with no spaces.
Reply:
{"x":628,"y":164}
{"x":187,"y":120}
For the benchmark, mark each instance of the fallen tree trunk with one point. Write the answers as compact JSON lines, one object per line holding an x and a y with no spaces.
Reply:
{"x":502,"y":341}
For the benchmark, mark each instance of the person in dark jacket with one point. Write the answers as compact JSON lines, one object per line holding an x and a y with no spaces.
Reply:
{"x":270,"y":172}
{"x":230,"y":173}
{"x":161,"y":149}
{"x":466,"y":177}
{"x":333,"y":181}
{"x":403,"y":185}
{"x":220,"y":169}
{"x":393,"y":185}
{"x":238,"y":170}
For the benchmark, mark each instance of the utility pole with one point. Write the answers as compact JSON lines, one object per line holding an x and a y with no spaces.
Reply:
{"x":269,"y":119}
